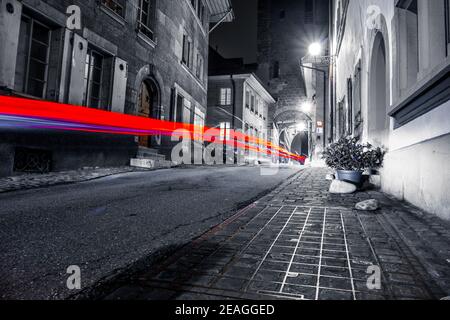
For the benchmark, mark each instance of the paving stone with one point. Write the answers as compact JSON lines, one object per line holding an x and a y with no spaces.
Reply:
{"x":294,"y":247}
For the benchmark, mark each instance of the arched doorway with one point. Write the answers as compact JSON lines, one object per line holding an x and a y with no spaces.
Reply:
{"x":148,"y":107}
{"x":300,"y":145}
{"x":378,"y":121}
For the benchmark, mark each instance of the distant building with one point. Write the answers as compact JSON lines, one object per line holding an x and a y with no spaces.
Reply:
{"x":238,"y":100}
{"x":392,"y":88}
{"x":286,"y":28}
{"x":140,"y":57}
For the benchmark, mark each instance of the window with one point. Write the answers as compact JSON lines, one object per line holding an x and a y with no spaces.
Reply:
{"x":199,"y":9}
{"x":342,"y":121}
{"x":93,"y":79}
{"x":276,"y":70}
{"x":225,"y":131}
{"x":349,"y":107}
{"x":257,"y":106}
{"x":247,"y":99}
{"x":146,"y":17}
{"x":202,"y":15}
{"x":252,"y":103}
{"x":33,"y":57}
{"x":225,"y":96}
{"x":199,"y":124}
{"x":282,"y":14}
{"x":408,"y":43}
{"x":187,"y":48}
{"x":309,"y":11}
{"x":200,"y":66}
{"x":116,"y":6}
{"x":178,"y":115}
{"x":356,"y":102}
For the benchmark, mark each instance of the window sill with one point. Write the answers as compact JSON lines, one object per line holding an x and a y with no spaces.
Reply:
{"x":113,"y":15}
{"x":429,"y":93}
{"x":147,"y":40}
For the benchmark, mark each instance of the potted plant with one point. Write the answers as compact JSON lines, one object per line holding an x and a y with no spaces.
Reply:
{"x":373,"y":158}
{"x":350,"y":158}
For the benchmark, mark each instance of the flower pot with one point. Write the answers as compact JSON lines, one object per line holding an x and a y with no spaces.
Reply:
{"x":354,"y":177}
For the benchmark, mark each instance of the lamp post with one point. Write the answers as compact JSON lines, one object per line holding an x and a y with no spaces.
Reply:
{"x":316,"y":50}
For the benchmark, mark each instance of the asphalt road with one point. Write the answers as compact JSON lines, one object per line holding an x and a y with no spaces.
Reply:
{"x":106,"y":225}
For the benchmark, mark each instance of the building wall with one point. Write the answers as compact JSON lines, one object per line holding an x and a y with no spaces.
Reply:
{"x":286,"y":28}
{"x":215,"y":115}
{"x":243,"y":114}
{"x":244,"y":117}
{"x":143,"y":58}
{"x":416,"y":167}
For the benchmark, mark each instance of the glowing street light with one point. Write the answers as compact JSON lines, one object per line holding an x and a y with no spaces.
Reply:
{"x":315,"y":49}
{"x":301,"y":127}
{"x":306,"y":106}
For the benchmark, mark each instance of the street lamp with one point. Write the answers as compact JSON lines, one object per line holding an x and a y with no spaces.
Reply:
{"x":301,"y":127}
{"x":306,"y":106}
{"x":315,"y":49}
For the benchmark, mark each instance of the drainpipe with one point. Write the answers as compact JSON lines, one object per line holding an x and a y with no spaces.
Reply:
{"x":325,"y":78}
{"x":233,"y":120}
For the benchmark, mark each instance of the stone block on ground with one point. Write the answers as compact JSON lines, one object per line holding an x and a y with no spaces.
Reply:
{"x":143,"y":163}
{"x":368,"y":205}
{"x":342,"y":187}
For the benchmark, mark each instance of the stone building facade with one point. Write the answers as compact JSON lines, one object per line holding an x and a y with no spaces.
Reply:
{"x":138,"y":57}
{"x":286,"y":28}
{"x":240,"y":102}
{"x":392,"y":87}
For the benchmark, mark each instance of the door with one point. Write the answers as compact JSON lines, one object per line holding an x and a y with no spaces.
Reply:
{"x":146,"y":102}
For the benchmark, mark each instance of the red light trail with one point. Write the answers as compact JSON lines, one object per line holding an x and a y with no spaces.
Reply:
{"x":50,"y":115}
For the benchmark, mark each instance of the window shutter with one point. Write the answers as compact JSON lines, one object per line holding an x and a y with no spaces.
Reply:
{"x":119,"y":86}
{"x":77,"y":70}
{"x":10,"y":14}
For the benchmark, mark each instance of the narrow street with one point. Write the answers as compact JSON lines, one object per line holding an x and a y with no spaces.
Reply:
{"x":224,"y":150}
{"x":302,"y":243}
{"x":105,"y":225}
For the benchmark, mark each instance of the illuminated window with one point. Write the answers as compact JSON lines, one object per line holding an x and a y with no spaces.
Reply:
{"x":225,"y":96}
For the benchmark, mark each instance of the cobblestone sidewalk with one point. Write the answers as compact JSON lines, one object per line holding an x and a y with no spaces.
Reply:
{"x":32,"y":181}
{"x":300,"y":242}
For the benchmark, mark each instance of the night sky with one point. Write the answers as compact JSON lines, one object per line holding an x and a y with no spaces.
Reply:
{"x":238,"y":38}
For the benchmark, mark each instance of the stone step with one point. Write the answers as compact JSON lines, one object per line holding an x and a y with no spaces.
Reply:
{"x":150,"y":163}
{"x":148,"y":153}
